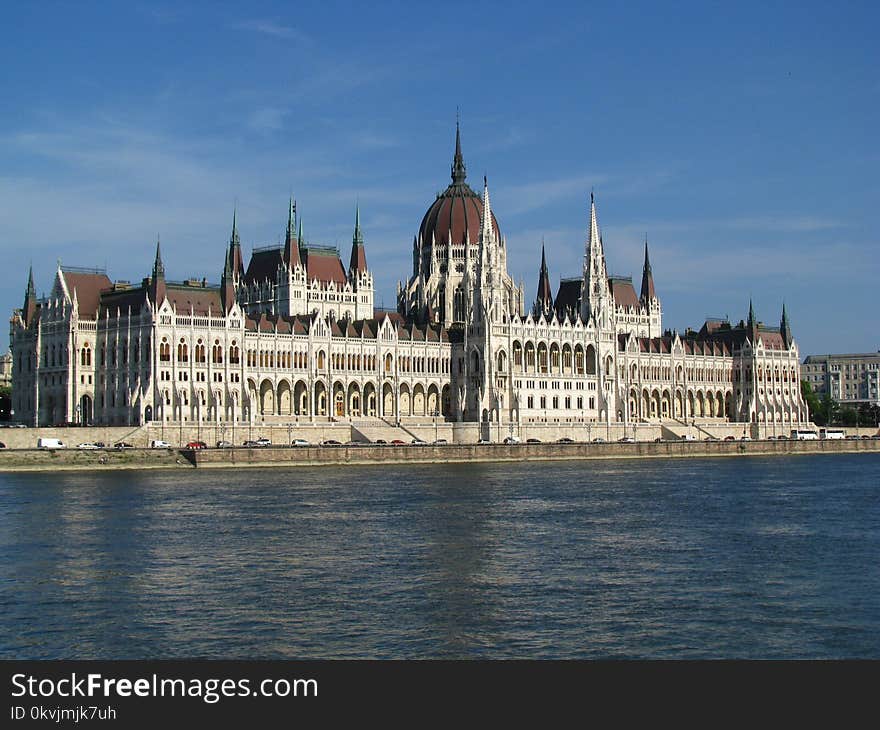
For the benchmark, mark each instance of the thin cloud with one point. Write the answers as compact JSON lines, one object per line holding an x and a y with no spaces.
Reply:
{"x":274,"y":29}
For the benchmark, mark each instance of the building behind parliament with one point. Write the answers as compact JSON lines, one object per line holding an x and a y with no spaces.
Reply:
{"x":295,"y":335}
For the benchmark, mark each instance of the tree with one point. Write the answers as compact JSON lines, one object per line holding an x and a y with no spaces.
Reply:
{"x":817,"y":411}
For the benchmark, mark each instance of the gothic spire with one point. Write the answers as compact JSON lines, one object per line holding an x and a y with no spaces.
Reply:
{"x":486,"y":231}
{"x":236,"y":264}
{"x":595,"y":293}
{"x":358,"y":261}
{"x":31,"y":290}
{"x":157,"y":283}
{"x":785,"y":327}
{"x":30,"y":298}
{"x":648,"y":292}
{"x":544,"y":300}
{"x":158,"y":267}
{"x":291,"y":246}
{"x":459,"y":173}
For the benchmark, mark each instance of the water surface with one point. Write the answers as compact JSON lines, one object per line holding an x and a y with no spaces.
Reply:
{"x":680,"y":558}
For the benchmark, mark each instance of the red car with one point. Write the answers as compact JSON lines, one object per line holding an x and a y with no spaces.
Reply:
{"x":197,"y":445}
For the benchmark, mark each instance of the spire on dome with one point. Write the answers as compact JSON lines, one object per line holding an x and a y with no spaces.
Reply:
{"x":459,"y":173}
{"x":648,"y":292}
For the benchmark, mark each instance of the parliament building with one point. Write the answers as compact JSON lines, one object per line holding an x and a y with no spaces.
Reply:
{"x":294,"y":336}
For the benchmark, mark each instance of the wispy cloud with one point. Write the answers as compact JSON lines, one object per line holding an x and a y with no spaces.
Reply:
{"x":274,"y":29}
{"x":266,"y":119}
{"x":517,"y":199}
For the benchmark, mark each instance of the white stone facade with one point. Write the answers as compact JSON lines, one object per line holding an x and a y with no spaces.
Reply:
{"x":295,"y":338}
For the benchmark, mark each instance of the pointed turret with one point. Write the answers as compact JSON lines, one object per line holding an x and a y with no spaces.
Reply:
{"x":291,"y":244}
{"x":544,"y":300}
{"x":157,"y":284}
{"x":30,"y":298}
{"x":648,"y":292}
{"x":785,"y":328}
{"x":236,"y":263}
{"x":358,"y":262}
{"x":487,"y":233}
{"x":459,"y":173}
{"x":595,"y":292}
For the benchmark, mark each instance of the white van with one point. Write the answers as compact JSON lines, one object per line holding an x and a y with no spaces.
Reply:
{"x":50,"y":444}
{"x":688,"y":437}
{"x":159,"y":444}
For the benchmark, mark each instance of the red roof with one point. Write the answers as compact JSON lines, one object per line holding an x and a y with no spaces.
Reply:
{"x":88,"y":290}
{"x":325,"y":266}
{"x":456,"y":214}
{"x":623,"y":291}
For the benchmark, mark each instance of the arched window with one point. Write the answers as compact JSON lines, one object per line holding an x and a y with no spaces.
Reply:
{"x":182,"y":351}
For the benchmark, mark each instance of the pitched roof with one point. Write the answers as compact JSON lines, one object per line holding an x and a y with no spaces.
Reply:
{"x":623,"y":291}
{"x":201,"y":299}
{"x":568,"y":296}
{"x":264,"y":264}
{"x":88,"y":288}
{"x":324,"y":265}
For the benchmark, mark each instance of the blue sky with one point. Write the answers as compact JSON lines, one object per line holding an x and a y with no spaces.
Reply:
{"x":740,"y":137}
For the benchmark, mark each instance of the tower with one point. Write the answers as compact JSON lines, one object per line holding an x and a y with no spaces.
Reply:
{"x":596,"y":298}
{"x":157,"y":282}
{"x":30,"y":299}
{"x":648,"y":299}
{"x":544,"y":298}
{"x":785,"y":328}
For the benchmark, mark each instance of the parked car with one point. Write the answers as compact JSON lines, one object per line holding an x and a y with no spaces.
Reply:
{"x":626,"y":440}
{"x":197,"y":445}
{"x":533,"y":441}
{"x":565,"y":440}
{"x":86,"y":446}
{"x":122,"y":445}
{"x":397,"y":442}
{"x":745,"y":438}
{"x":47,"y":443}
{"x":159,"y":444}
{"x":263,"y":441}
{"x":598,"y":440}
{"x":418,"y":442}
{"x":688,"y":437}
{"x":2,"y":445}
{"x":730,"y":438}
{"x":483,"y":442}
{"x":224,"y":444}
{"x":511,"y":440}
{"x":440,"y":442}
{"x":300,"y":442}
{"x":380,"y":442}
{"x":330,"y":442}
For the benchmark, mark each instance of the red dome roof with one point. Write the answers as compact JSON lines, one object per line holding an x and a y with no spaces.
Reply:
{"x":457,"y":212}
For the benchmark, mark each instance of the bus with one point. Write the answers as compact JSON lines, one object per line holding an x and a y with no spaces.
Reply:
{"x":798,"y":434}
{"x":832,"y":433}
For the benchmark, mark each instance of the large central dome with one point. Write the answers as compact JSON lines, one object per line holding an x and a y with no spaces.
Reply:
{"x":457,"y":212}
